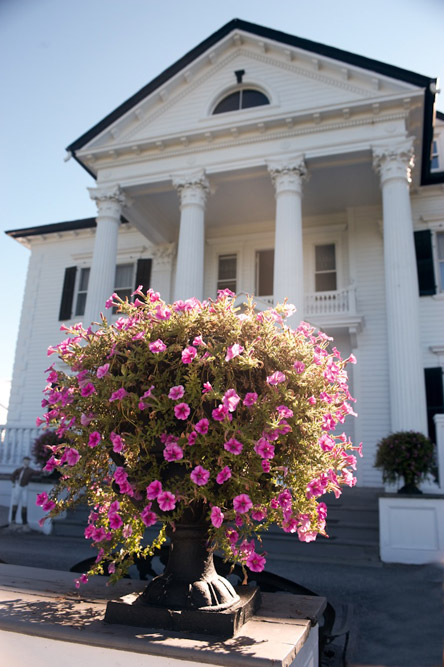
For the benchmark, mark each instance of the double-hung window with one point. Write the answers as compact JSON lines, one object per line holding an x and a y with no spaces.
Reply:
{"x":264,"y":272}
{"x":325,"y":268}
{"x":227,"y":273}
{"x":440,"y":255}
{"x":82,"y":292}
{"x":76,"y":282}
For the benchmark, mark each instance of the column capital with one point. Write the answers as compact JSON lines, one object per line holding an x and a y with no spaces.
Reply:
{"x":394,"y":161}
{"x":193,"y":187}
{"x":287,"y":173}
{"x":109,"y":200}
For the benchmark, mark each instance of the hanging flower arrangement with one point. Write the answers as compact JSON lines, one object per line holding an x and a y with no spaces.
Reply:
{"x":197,"y":403}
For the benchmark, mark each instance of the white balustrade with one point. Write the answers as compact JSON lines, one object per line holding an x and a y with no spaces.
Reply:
{"x":15,"y":443}
{"x":337,"y":302}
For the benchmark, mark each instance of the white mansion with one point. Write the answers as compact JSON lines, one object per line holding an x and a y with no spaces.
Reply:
{"x":274,"y":166}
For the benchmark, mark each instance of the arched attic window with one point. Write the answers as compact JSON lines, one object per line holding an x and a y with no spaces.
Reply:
{"x":245,"y":98}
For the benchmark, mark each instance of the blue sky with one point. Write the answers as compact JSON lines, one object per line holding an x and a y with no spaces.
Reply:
{"x":65,"y":65}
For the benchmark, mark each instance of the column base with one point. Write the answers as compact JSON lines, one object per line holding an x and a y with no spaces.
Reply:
{"x":131,"y":610}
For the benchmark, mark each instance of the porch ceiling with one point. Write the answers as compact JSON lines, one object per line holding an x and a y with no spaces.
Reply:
{"x":247,"y":197}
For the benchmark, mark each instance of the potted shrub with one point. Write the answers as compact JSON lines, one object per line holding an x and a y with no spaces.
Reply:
{"x":42,"y":450}
{"x":406,"y":455}
{"x":197,"y":415}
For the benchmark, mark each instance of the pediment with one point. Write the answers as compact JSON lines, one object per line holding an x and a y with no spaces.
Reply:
{"x":297,"y":82}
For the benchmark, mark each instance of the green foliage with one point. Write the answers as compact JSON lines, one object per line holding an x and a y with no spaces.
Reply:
{"x":406,"y":454}
{"x":122,"y":432}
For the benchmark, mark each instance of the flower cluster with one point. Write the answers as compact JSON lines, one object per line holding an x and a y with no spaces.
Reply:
{"x":408,"y":455}
{"x":198,"y":402}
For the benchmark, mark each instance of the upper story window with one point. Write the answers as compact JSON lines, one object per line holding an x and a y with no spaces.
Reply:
{"x":325,"y":268}
{"x":264,"y":272}
{"x":434,"y":158}
{"x":440,"y":252}
{"x":226,"y":274}
{"x":245,"y":98}
{"x":82,"y":292}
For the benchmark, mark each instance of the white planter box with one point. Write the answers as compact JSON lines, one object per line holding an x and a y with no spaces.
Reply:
{"x":411,"y":529}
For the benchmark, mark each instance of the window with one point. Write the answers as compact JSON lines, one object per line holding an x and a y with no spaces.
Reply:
{"x":226,"y":275}
{"x":82,"y":292}
{"x":325,"y":268}
{"x":246,"y":98}
{"x":264,"y":272}
{"x":440,"y":251}
{"x":124,"y":280}
{"x":76,"y":281}
{"x":434,"y":158}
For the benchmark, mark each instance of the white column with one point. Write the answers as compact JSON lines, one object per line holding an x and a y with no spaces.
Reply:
{"x":406,"y":372}
{"x":287,"y":176}
{"x":163,"y":256}
{"x":193,"y":189}
{"x":101,"y":279}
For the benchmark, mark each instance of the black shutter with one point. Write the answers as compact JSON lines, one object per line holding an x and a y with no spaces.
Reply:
{"x":424,"y":262}
{"x":68,"y":293}
{"x":434,"y":397}
{"x":143,"y":273}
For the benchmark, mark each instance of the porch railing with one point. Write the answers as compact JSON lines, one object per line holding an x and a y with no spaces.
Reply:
{"x":338,"y":302}
{"x":15,"y":443}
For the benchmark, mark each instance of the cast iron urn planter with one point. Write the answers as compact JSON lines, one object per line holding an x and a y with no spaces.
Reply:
{"x":190,"y":595}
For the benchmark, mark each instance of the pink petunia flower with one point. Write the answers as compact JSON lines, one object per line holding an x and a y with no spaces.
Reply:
{"x":88,"y":389}
{"x":41,"y":498}
{"x":258,"y":514}
{"x":166,"y":501}
{"x":223,"y":475}
{"x":127,"y":531}
{"x":264,"y":449}
{"x":202,"y":426}
{"x":250,"y":398}
{"x":217,"y":517}
{"x":118,"y":444}
{"x":200,"y":476}
{"x":276,"y":378}
{"x":181,"y":411}
{"x":299,"y":366}
{"x":94,"y":439}
{"x":234,"y":351}
{"x":115,"y":521}
{"x":219,"y":413}
{"x":284,"y":412}
{"x":148,"y":517}
{"x":328,"y":423}
{"x":72,"y":456}
{"x":198,"y":341}
{"x":242,"y":503}
{"x":118,"y":395}
{"x":265,"y":465}
{"x":153,"y":489}
{"x":207,"y":388}
{"x":233,"y":446}
{"x":188,"y":354}
{"x":192,"y":437}
{"x":326,"y":443}
{"x":86,"y":419}
{"x":173,"y":452}
{"x":176,"y":392}
{"x":157,"y":346}
{"x":230,"y":400}
{"x":255,"y":562}
{"x":102,"y":371}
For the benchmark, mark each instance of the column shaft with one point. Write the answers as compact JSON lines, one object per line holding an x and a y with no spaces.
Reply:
{"x":191,"y":244}
{"x":406,"y":372}
{"x":288,"y":250}
{"x":103,"y":268}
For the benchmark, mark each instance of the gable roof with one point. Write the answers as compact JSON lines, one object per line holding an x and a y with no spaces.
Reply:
{"x":428,"y":84}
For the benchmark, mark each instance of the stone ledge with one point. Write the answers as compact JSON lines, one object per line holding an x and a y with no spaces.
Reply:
{"x":44,"y":603}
